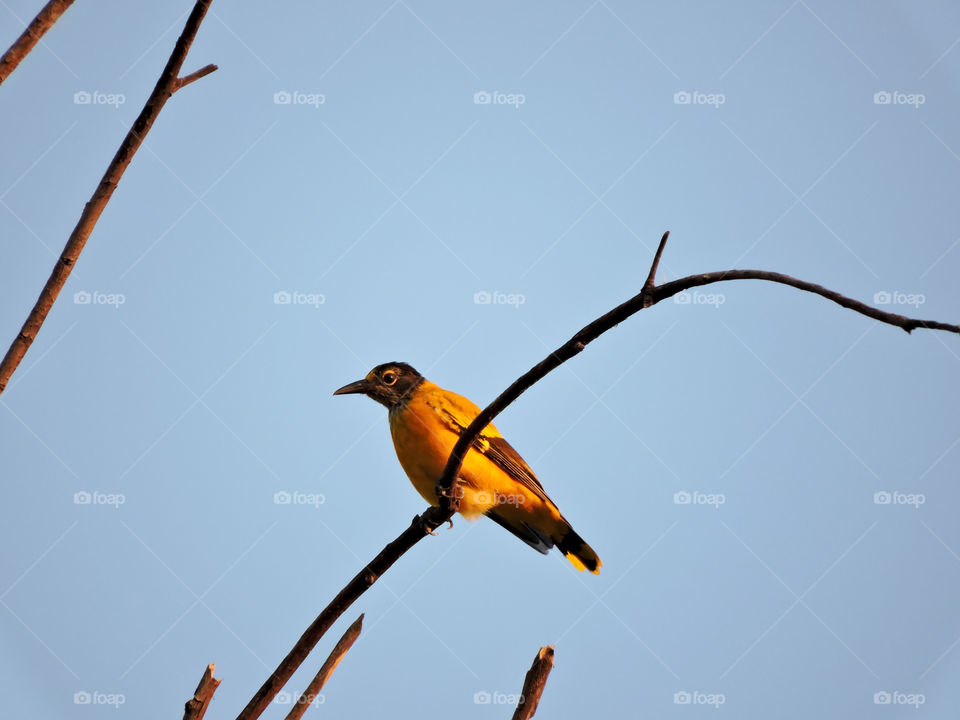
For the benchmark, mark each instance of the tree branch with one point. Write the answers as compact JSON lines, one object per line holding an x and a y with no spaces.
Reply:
{"x":434,"y":516}
{"x":662,"y":292}
{"x":651,"y":280}
{"x":431,"y":519}
{"x":326,"y":670}
{"x":196,"y":706}
{"x":31,"y":35}
{"x":166,"y":86}
{"x":196,"y":75}
{"x":650,"y":295}
{"x":534,"y":683}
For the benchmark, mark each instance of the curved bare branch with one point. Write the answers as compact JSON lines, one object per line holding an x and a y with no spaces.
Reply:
{"x":650,"y":295}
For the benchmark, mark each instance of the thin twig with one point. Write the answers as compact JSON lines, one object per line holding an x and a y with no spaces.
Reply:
{"x":31,"y":35}
{"x":651,"y":280}
{"x":326,"y":670}
{"x":434,"y":516}
{"x":534,"y":683}
{"x":196,"y":706}
{"x":166,"y":86}
{"x":196,"y":75}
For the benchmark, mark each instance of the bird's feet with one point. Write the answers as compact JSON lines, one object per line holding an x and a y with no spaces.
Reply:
{"x":449,"y":498}
{"x":428,"y":531}
{"x":432,"y":518}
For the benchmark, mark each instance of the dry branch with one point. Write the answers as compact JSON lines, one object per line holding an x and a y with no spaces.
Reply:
{"x":326,"y":670}
{"x":534,"y":683}
{"x":168,"y":83}
{"x":44,"y":20}
{"x":196,"y":75}
{"x":650,"y":295}
{"x":434,"y":516}
{"x":196,"y":706}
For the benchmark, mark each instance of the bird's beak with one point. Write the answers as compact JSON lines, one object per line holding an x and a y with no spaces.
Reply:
{"x":360,"y":386}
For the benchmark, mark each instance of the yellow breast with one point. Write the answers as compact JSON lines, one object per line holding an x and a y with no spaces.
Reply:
{"x":424,"y":438}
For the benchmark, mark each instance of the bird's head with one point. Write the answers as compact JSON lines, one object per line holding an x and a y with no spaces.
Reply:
{"x":389,"y":384}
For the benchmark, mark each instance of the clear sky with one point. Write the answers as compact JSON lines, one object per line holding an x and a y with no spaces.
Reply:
{"x":389,"y":166}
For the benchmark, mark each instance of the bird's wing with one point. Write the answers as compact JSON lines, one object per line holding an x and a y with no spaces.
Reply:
{"x":532,"y":536}
{"x":458,"y":412}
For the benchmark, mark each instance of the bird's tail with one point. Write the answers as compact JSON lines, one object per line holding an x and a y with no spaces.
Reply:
{"x":576,"y":550}
{"x":543,"y":530}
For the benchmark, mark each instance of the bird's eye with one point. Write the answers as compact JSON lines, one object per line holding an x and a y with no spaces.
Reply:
{"x":389,"y":377}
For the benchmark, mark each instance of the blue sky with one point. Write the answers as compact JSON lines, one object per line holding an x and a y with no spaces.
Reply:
{"x":345,"y":157}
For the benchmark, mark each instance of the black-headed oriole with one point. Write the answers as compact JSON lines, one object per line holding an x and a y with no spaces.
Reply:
{"x":425,"y":422}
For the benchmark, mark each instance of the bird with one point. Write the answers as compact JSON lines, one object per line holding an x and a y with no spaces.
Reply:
{"x":425,"y":423}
